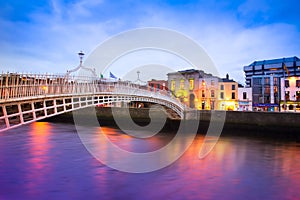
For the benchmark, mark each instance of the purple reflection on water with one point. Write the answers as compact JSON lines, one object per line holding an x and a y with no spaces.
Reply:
{"x":47,"y":161}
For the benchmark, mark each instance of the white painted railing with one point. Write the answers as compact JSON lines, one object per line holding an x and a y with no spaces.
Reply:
{"x":17,"y":90}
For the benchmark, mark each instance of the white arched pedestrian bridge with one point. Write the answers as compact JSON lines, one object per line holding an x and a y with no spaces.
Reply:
{"x":25,"y":98}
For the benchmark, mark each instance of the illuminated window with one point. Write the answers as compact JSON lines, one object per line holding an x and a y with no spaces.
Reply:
{"x":172,"y":85}
{"x":191,"y":84}
{"x":297,"y":83}
{"x":287,"y":95}
{"x":181,"y":84}
{"x":298,"y":96}
{"x":203,"y":83}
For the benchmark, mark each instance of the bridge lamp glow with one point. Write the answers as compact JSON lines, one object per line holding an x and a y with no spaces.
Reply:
{"x":45,"y":88}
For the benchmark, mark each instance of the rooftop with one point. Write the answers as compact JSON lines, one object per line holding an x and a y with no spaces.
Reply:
{"x":275,"y":61}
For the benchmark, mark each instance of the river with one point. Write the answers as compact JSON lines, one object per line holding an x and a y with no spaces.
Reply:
{"x":46,"y":160}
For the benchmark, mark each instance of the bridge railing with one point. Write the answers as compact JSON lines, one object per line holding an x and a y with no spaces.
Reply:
{"x":18,"y":86}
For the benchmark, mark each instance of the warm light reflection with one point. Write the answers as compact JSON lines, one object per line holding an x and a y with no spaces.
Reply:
{"x":38,"y":155}
{"x":128,"y":142}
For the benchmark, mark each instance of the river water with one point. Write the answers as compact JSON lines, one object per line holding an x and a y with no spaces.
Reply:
{"x":46,"y":160}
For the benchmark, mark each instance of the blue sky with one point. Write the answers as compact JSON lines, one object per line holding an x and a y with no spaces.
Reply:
{"x":44,"y":36}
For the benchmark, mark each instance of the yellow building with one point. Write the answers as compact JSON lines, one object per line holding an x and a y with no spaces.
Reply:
{"x":208,"y":90}
{"x":227,"y":94}
{"x":184,"y":85}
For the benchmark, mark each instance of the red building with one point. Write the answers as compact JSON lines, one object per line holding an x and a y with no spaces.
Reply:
{"x":157,"y":85}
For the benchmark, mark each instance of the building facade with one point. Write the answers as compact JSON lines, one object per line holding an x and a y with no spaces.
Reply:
{"x":283,"y":67}
{"x":227,"y":94}
{"x":290,"y":94}
{"x":184,"y":86}
{"x":208,"y":89}
{"x":265,"y":76}
{"x":157,"y":85}
{"x":265,"y":93}
{"x":245,"y":99}
{"x":194,"y":88}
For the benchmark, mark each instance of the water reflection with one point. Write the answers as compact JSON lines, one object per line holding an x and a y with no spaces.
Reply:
{"x":38,"y":166}
{"x":48,"y":161}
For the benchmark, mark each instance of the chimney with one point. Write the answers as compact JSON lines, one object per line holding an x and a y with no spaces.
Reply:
{"x":227,"y":76}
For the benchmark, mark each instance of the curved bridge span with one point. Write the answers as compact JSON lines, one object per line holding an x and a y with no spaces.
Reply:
{"x":25,"y":98}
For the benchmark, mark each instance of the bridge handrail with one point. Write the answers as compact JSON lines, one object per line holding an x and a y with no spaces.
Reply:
{"x":18,"y":86}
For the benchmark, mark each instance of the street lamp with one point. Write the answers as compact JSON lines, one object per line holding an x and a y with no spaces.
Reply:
{"x":80,"y":54}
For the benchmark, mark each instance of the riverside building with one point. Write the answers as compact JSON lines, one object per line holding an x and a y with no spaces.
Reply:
{"x":227,"y":94}
{"x":194,"y":88}
{"x":266,"y":78}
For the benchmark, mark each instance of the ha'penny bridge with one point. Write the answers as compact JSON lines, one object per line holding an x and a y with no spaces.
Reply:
{"x":25,"y":98}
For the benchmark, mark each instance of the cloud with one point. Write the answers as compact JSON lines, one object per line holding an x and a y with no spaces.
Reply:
{"x":53,"y":35}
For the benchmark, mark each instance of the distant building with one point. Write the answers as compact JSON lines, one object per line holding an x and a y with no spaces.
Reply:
{"x":186,"y":86}
{"x":245,"y":98}
{"x":208,"y":93}
{"x":265,"y":93}
{"x":275,"y":67}
{"x":157,"y":85}
{"x":228,"y":94}
{"x":290,"y":94}
{"x":267,"y":87}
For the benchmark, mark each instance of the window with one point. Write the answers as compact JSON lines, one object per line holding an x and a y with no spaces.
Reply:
{"x":157,"y":87}
{"x":275,"y":81}
{"x":212,"y":83}
{"x":287,"y":83}
{"x":287,"y":95}
{"x":172,"y":85}
{"x":182,"y":84}
{"x":267,"y":81}
{"x":244,"y":95}
{"x":203,"y":83}
{"x":267,"y":90}
{"x":191,"y":84}
{"x":233,"y":95}
{"x":298,"y":96}
{"x":297,"y":83}
{"x":256,"y":81}
{"x":275,"y":89}
{"x":221,"y":87}
{"x":233,"y":87}
{"x":222,"y":95}
{"x":151,"y":87}
{"x":203,"y":93}
{"x":212,"y":94}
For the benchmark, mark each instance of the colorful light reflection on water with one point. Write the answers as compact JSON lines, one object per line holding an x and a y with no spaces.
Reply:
{"x":47,"y":161}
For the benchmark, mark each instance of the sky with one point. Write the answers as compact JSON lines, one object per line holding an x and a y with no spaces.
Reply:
{"x":45,"y":36}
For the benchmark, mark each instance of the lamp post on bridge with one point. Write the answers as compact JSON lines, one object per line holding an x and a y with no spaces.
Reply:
{"x":81,"y":55}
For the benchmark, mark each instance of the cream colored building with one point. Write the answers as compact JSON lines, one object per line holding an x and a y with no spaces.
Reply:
{"x":227,"y":94}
